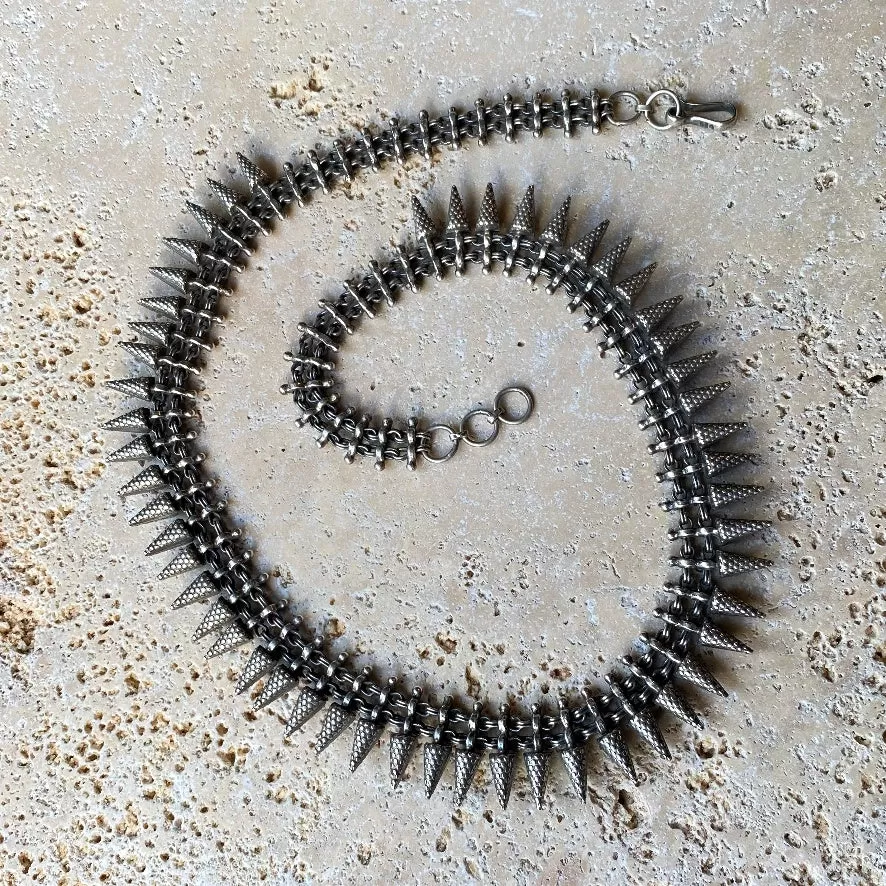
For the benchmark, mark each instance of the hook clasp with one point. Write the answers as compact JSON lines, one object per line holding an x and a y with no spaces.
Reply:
{"x":709,"y":115}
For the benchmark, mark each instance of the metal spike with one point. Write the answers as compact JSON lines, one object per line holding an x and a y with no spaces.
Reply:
{"x":537,"y":773}
{"x":668,"y":339}
{"x":159,"y":332}
{"x":734,"y":564}
{"x":680,"y":370}
{"x":725,"y":604}
{"x":148,"y":354}
{"x":366,"y":735}
{"x":653,"y":315}
{"x":401,"y":750}
{"x":555,"y":232}
{"x":524,"y":217}
{"x":711,"y":635}
{"x":718,"y":462}
{"x":178,"y":278}
{"x":723,"y":494}
{"x":583,"y":250}
{"x":337,"y":720}
{"x":185,"y":560}
{"x":230,"y":638}
{"x":260,"y":662}
{"x":227,"y":196}
{"x":134,"y":387}
{"x":694,"y":399}
{"x":466,"y":763}
{"x":187,"y":249}
{"x":174,"y":535}
{"x":436,"y":755}
{"x":135,"y":422}
{"x":307,"y":705}
{"x":645,"y":723}
{"x":424,"y":227}
{"x":732,"y":530}
{"x":616,"y":749}
{"x":200,"y":589}
{"x":488,"y":220}
{"x":165,"y":305}
{"x":254,"y":175}
{"x":671,"y":700}
{"x":632,"y":286}
{"x":706,"y":434}
{"x":607,"y":266}
{"x":218,"y":616}
{"x":207,"y":220}
{"x":138,"y":449}
{"x":502,"y":768}
{"x":277,"y":684}
{"x":457,"y":219}
{"x":159,"y":508}
{"x":575,"y":764}
{"x":690,"y":670}
{"x":150,"y":479}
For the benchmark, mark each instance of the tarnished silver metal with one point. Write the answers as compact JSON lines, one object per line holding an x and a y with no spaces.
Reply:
{"x":242,"y":602}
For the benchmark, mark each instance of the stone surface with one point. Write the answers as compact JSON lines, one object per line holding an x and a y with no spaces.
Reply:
{"x":524,"y":567}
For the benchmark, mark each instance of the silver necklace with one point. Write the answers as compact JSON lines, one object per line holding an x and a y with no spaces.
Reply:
{"x":243,"y":607}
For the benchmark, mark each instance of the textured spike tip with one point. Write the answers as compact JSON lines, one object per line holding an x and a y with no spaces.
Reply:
{"x":555,"y":232}
{"x":537,"y":774}
{"x":631,"y":287}
{"x":424,"y":227}
{"x":524,"y":217}
{"x":457,"y":219}
{"x":174,"y":535}
{"x":502,"y":768}
{"x":260,"y":662}
{"x":306,"y":706}
{"x":278,"y":684}
{"x":466,"y":763}
{"x":488,"y":220}
{"x":401,"y":750}
{"x":366,"y":735}
{"x":608,"y":265}
{"x":201,"y":588}
{"x":436,"y":755}
{"x":337,"y":720}
{"x":583,"y":250}
{"x":230,"y":638}
{"x":575,"y":764}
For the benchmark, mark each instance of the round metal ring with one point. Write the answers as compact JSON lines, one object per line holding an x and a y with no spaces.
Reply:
{"x":514,"y":419}
{"x":428,"y":434}
{"x":672,"y":114}
{"x":467,"y":421}
{"x":630,"y":98}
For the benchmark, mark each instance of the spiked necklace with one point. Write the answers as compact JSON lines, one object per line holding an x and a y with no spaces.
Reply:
{"x":243,"y":607}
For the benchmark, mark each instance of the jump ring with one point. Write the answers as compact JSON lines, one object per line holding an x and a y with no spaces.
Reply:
{"x":514,"y":418}
{"x":448,"y":453}
{"x":630,"y":98}
{"x":672,"y":113}
{"x":465,"y":429}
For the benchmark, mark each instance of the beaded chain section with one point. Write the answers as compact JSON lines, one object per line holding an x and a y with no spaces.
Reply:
{"x":243,"y":607}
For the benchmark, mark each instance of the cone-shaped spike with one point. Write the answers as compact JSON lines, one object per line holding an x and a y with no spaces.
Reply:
{"x":583,"y":250}
{"x":230,"y":638}
{"x":501,"y":766}
{"x":706,"y":434}
{"x":680,"y":370}
{"x":725,"y":604}
{"x":575,"y":764}
{"x":723,"y":494}
{"x":150,"y":479}
{"x":187,"y":249}
{"x":165,"y":305}
{"x":157,"y":509}
{"x":174,"y":535}
{"x":159,"y":332}
{"x":135,"y":422}
{"x":200,"y":589}
{"x":457,"y":220}
{"x":138,"y":449}
{"x":632,"y":286}
{"x":134,"y":387}
{"x":466,"y":763}
{"x":524,"y":217}
{"x":653,"y":315}
{"x":616,"y":749}
{"x":537,"y":774}
{"x":307,"y":705}
{"x":260,"y":662}
{"x":148,"y":354}
{"x":337,"y":720}
{"x":178,"y":278}
{"x":607,"y":266}
{"x":424,"y":227}
{"x":436,"y":755}
{"x":184,"y":561}
{"x":667,"y":339}
{"x":693,"y":672}
{"x":693,"y":400}
{"x":207,"y":220}
{"x":253,"y":174}
{"x":673,"y":701}
{"x":401,"y":750}
{"x":732,"y":530}
{"x":279,"y":683}
{"x":711,"y":635}
{"x":735,"y":564}
{"x":218,"y":616}
{"x":366,"y":735}
{"x":488,"y":220}
{"x":224,"y":193}
{"x":555,"y":232}
{"x":718,"y":462}
{"x":644,"y":722}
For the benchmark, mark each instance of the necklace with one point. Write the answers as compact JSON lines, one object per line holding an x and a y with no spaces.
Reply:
{"x":243,"y":607}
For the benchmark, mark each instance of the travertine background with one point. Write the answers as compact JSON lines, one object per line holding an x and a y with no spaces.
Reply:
{"x":523,"y":567}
